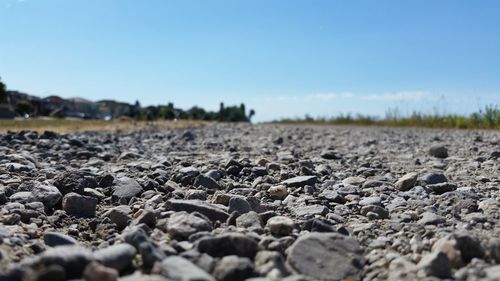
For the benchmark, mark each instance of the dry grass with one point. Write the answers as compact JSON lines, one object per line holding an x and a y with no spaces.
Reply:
{"x":72,"y":125}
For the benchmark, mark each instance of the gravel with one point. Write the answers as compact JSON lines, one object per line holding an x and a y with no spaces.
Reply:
{"x":251,"y":203}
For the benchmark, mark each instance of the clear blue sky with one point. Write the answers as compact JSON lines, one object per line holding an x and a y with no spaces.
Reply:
{"x":282,"y":58}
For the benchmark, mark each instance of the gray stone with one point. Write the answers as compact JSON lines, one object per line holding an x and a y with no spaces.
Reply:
{"x":119,"y":215}
{"x":79,"y":206}
{"x":119,"y":256}
{"x":300,"y":181}
{"x":73,"y":181}
{"x":326,"y":256}
{"x":125,"y":189}
{"x":374,"y":200}
{"x":181,"y":225}
{"x":379,"y":211}
{"x":280,"y":225}
{"x":23,"y":197}
{"x":435,"y":264}
{"x":54,"y":239}
{"x":272,"y":264}
{"x":176,"y":268}
{"x":309,"y":211}
{"x":206,"y":182}
{"x":73,"y":259}
{"x":212,"y":211}
{"x":234,"y":268}
{"x":150,"y":251}
{"x":440,"y":188}
{"x":249,"y":220}
{"x":406,"y":182}
{"x":46,"y":193}
{"x":431,"y":218}
{"x":239,"y":205}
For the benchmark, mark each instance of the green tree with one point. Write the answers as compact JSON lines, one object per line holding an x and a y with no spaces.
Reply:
{"x":24,"y":107}
{"x":3,"y":92}
{"x":251,"y":114}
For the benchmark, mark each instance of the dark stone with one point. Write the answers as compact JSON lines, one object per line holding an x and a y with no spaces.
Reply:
{"x":79,"y":206}
{"x":228,"y":244}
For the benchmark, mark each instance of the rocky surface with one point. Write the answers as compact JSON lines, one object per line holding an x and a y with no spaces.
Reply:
{"x":255,"y":203}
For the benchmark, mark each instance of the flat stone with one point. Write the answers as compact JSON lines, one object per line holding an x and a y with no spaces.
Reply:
{"x":54,"y":239}
{"x":300,"y":181}
{"x":406,"y":182}
{"x":326,"y":256}
{"x":176,"y":268}
{"x":118,"y":256}
{"x":431,"y":218}
{"x":206,"y":181}
{"x":212,"y":211}
{"x":182,"y":224}
{"x":125,"y":189}
{"x":228,"y":244}
{"x":309,"y":211}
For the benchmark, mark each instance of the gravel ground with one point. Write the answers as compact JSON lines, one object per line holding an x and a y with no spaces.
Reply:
{"x":233,"y":202}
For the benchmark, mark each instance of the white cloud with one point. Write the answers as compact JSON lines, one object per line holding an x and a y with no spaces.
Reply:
{"x":406,"y":96}
{"x":329,"y":96}
{"x":411,"y":96}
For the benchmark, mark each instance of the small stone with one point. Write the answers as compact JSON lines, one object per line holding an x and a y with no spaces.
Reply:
{"x":125,"y":189}
{"x":440,"y":188}
{"x":212,"y":211}
{"x":379,"y":211}
{"x":180,"y":269}
{"x":280,"y":225}
{"x":48,"y":194}
{"x":120,"y":216}
{"x":249,"y":220}
{"x":431,"y":218}
{"x":309,"y":211}
{"x":79,"y":206}
{"x":433,"y":178}
{"x":435,"y":264}
{"x":182,"y":224}
{"x":300,"y":181}
{"x":234,"y":268}
{"x":323,"y":256}
{"x":330,"y":155}
{"x":374,"y":200}
{"x":406,"y":182}
{"x":97,"y":272}
{"x":278,"y":192}
{"x":119,"y":256}
{"x":239,"y":205}
{"x":206,"y":182}
{"x":438,"y":151}
{"x":54,"y":239}
{"x":228,"y":244}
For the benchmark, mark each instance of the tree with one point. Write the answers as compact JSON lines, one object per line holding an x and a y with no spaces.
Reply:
{"x":251,"y":114}
{"x":24,"y":107}
{"x":3,"y":92}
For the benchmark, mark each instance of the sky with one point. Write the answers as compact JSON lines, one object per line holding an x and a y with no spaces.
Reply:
{"x":282,"y":58}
